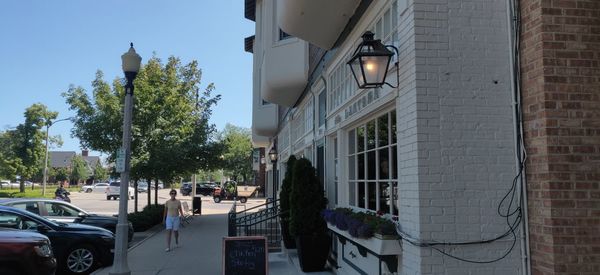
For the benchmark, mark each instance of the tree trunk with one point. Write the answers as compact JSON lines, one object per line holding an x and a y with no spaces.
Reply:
{"x":155,"y":191}
{"x":135,"y":190}
{"x":22,"y":185}
{"x":149,"y":182}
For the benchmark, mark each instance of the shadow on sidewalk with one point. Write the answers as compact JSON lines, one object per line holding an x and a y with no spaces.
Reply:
{"x":200,"y":250}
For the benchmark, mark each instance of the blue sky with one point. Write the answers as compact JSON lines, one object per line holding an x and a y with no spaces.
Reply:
{"x":47,"y":45}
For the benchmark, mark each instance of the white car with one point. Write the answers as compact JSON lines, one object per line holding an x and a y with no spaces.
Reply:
{"x":95,"y":188}
{"x":114,"y":191}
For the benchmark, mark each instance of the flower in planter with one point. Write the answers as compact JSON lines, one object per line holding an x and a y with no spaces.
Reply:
{"x":353,"y":225}
{"x":365,"y":231}
{"x":340,"y":222}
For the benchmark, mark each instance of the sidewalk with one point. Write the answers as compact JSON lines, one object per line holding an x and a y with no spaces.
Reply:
{"x":199,"y":251}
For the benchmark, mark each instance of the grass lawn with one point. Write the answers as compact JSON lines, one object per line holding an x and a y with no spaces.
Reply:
{"x":36,"y":193}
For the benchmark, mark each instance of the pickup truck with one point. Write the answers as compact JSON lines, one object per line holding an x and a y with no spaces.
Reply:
{"x":113,"y":191}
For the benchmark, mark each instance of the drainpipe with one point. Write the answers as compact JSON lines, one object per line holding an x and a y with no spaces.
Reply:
{"x":515,"y":82}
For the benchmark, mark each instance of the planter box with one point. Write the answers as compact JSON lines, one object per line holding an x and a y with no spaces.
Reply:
{"x":377,"y":246}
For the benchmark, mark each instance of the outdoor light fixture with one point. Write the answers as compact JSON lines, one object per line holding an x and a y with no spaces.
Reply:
{"x":273,"y":157}
{"x":131,"y":66}
{"x":273,"y":154}
{"x":371,"y":61}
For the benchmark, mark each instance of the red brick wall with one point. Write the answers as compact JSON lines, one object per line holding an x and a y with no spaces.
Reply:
{"x":560,"y":61}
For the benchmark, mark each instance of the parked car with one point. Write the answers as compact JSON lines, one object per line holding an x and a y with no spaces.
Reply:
{"x":23,"y":252}
{"x":114,"y":190}
{"x":203,"y":188}
{"x":95,"y":188}
{"x":142,"y":187}
{"x":78,"y":248}
{"x":4,"y":183}
{"x":61,"y":211}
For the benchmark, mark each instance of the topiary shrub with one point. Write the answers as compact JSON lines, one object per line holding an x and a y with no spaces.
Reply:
{"x":307,"y":201}
{"x":286,"y":188}
{"x":284,"y":204}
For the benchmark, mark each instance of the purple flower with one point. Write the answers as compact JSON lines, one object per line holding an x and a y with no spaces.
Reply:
{"x":353,"y":225}
{"x":340,"y":222}
{"x":365,"y":231}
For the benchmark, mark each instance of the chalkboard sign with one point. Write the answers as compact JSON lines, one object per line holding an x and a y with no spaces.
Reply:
{"x":245,"y":256}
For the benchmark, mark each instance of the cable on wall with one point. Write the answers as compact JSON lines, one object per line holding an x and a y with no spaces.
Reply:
{"x":514,"y":196}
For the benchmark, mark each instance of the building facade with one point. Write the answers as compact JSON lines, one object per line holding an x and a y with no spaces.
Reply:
{"x":446,"y":150}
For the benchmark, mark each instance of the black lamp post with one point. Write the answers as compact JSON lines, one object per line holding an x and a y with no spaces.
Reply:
{"x":371,"y":61}
{"x":273,"y":157}
{"x":131,"y":66}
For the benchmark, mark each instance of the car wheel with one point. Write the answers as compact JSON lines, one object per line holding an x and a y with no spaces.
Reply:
{"x":88,"y":190}
{"x":107,"y":198}
{"x":81,"y":259}
{"x":217,"y":199}
{"x":115,"y":197}
{"x":243,"y":200}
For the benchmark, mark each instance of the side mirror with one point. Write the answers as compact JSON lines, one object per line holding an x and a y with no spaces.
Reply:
{"x":82,"y":215}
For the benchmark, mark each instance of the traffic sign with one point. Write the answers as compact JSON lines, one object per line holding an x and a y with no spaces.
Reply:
{"x":120,"y":162}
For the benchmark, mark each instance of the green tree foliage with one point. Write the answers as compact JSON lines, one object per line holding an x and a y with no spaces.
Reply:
{"x":306,"y":201}
{"x":24,"y":151}
{"x":100,"y":173}
{"x":59,"y":174}
{"x":237,"y":155}
{"x":171,"y":133}
{"x":79,"y":169}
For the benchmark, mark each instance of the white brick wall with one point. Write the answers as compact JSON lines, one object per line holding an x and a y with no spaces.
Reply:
{"x":456,"y":157}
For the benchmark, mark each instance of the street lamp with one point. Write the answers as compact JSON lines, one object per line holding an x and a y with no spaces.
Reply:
{"x":273,"y":157}
{"x":131,"y":66}
{"x":49,"y":123}
{"x":371,"y":61}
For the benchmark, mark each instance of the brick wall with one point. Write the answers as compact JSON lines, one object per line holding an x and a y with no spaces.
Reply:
{"x":561,"y":107}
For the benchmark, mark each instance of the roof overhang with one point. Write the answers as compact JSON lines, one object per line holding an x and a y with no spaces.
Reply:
{"x":316,"y":21}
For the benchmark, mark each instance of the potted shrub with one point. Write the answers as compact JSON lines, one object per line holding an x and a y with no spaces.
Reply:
{"x":284,"y":201}
{"x":307,"y":201}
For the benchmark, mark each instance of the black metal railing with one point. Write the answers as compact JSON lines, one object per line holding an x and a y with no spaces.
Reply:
{"x":261,"y":220}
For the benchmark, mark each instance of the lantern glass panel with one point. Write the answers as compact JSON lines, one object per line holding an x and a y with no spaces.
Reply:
{"x":375,"y":68}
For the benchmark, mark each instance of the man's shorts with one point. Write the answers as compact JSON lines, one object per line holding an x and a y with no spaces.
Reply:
{"x":172,"y":223}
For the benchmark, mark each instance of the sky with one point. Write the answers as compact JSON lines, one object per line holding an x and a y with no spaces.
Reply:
{"x":45,"y":46}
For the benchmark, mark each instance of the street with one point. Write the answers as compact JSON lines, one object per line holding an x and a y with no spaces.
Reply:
{"x":96,"y":203}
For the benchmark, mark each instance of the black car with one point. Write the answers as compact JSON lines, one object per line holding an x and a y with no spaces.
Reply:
{"x":61,"y":211}
{"x":78,"y":248}
{"x":205,"y":189}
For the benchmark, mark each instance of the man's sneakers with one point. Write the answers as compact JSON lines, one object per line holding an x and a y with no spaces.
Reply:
{"x":167,"y":249}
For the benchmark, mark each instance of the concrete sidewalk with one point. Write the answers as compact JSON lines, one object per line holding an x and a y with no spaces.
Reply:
{"x":199,"y":251}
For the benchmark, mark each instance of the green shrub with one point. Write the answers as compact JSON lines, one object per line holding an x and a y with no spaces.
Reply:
{"x":306,"y":201}
{"x":150,"y":216}
{"x":286,"y":188}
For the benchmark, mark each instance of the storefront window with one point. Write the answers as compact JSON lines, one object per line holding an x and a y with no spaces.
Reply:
{"x":372,"y":165}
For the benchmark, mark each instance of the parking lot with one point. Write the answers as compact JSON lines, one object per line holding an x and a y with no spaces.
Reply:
{"x":96,"y":203}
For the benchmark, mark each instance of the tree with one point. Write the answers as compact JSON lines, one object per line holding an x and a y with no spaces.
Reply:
{"x":100,"y":173}
{"x":79,"y":169}
{"x":25,"y":149}
{"x":237,"y":155}
{"x":60,"y":174}
{"x":171,"y":133}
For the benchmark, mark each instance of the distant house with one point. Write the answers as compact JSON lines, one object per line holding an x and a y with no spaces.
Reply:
{"x":63,"y":159}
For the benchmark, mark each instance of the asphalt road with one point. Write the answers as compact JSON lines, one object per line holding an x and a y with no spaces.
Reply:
{"x":96,"y":203}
